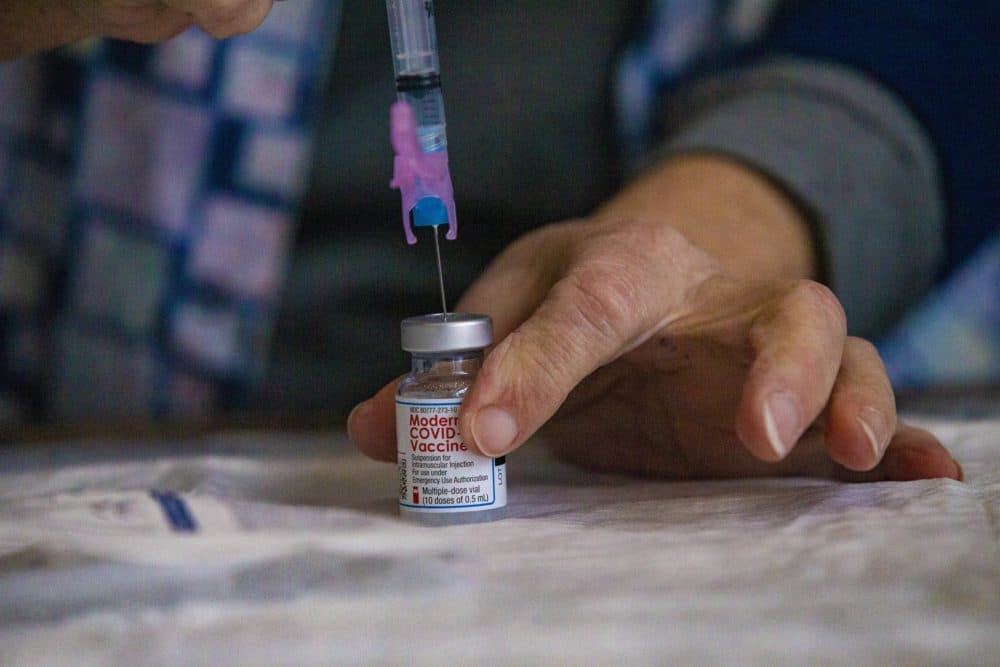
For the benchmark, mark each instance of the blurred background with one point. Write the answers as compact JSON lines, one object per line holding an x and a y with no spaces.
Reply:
{"x":205,"y":228}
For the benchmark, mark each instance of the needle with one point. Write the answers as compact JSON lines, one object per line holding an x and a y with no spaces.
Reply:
{"x":437,"y":252}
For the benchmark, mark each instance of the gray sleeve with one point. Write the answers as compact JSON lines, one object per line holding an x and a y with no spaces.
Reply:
{"x":852,"y":157}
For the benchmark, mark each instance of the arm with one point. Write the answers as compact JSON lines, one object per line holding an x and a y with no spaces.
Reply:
{"x":938,"y":60}
{"x":879,"y":121}
{"x":853,"y":158}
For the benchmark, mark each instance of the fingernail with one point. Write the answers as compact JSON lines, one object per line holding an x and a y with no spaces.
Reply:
{"x":873,"y":424}
{"x":782,"y":422}
{"x":494,"y":430}
{"x":359,"y":412}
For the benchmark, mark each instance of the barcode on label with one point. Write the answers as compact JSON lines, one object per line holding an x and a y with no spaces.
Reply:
{"x":403,"y":486}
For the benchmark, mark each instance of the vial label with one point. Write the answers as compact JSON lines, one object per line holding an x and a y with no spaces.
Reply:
{"x":438,"y":472}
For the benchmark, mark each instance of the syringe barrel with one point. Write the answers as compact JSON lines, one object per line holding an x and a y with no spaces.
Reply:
{"x":414,"y":42}
{"x":415,"y":60}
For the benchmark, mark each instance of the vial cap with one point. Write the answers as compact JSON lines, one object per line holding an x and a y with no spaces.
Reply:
{"x":453,"y":332}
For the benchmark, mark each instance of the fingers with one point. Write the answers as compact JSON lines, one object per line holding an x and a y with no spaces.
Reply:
{"x":225,"y":18}
{"x":798,"y":340}
{"x":911,"y":454}
{"x":915,"y":453}
{"x":614,"y":291}
{"x":861,"y":417}
{"x":805,"y":366}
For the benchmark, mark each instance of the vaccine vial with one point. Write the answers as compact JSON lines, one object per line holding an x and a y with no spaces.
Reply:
{"x":442,"y":481}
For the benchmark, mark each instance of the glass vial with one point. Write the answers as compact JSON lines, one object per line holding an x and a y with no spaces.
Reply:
{"x":441,"y":480}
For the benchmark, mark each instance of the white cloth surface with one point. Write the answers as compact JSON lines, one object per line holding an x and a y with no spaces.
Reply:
{"x":298,"y":559}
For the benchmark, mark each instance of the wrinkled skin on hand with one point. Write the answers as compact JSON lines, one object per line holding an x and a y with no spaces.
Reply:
{"x":157,"y":20}
{"x":640,"y":354}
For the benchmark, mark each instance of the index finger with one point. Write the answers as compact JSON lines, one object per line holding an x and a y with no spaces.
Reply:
{"x":618,"y":287}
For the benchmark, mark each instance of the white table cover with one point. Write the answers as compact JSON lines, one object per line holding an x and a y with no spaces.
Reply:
{"x":298,"y":559}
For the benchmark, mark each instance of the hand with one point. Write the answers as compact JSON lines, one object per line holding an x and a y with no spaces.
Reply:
{"x":156,"y":20}
{"x":645,"y":354}
{"x":28,"y":26}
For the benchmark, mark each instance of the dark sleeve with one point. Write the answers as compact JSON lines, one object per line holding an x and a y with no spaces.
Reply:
{"x":881,"y":120}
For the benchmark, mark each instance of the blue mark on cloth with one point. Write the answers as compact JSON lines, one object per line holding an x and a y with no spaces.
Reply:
{"x":176,"y":511}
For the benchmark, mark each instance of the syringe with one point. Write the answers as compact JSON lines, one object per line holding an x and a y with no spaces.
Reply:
{"x":417,"y":125}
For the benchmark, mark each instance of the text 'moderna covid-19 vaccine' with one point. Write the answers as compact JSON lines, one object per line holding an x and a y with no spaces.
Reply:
{"x":442,"y":481}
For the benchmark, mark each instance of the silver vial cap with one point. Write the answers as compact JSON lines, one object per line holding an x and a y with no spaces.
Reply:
{"x":453,"y":332}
